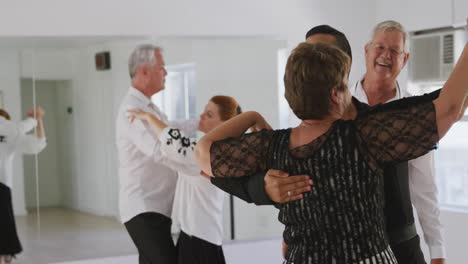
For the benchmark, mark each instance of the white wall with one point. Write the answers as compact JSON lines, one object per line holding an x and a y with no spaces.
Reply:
{"x":244,"y":68}
{"x":460,"y":12}
{"x":278,"y":18}
{"x":417,"y":14}
{"x":92,"y":93}
{"x":48,"y":64}
{"x":152,"y":17}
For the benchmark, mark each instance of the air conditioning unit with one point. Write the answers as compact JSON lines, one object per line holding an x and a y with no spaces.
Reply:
{"x":433,"y":55}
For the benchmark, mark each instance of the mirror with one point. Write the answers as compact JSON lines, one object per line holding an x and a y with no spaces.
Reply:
{"x":77,"y":173}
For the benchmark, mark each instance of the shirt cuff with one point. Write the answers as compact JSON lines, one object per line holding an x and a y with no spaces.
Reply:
{"x":437,"y":252}
{"x":256,"y":189}
{"x":28,"y":124}
{"x":42,"y":143}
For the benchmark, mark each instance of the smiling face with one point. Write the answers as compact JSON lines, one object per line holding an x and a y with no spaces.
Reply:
{"x":210,"y":118}
{"x":385,"y":55}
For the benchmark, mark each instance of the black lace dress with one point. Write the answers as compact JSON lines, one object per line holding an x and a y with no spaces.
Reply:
{"x":341,"y":219}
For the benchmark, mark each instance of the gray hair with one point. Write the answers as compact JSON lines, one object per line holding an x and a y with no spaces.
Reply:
{"x":392,"y":25}
{"x":142,"y":55}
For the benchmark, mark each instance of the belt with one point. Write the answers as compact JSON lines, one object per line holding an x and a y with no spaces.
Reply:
{"x":402,"y":234}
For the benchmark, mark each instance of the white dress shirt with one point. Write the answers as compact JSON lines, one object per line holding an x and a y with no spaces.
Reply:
{"x":422,"y":185}
{"x":13,"y":139}
{"x":146,"y":184}
{"x":198,"y":205}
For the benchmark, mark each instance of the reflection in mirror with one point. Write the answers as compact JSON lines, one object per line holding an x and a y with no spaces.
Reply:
{"x":51,"y":164}
{"x":78,"y":170}
{"x":18,"y":136}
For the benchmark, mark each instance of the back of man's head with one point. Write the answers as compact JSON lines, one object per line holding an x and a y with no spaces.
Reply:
{"x":308,"y":93}
{"x":142,"y":55}
{"x":340,"y":39}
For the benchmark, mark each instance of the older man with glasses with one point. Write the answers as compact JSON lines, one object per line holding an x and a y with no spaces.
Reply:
{"x":386,"y":55}
{"x":406,"y":183}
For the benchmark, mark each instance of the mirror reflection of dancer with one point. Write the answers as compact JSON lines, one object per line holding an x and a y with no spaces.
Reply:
{"x":13,"y":139}
{"x":146,"y":185}
{"x":198,"y":205}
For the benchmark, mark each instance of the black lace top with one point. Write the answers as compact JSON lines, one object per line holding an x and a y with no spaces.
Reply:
{"x":341,"y":219}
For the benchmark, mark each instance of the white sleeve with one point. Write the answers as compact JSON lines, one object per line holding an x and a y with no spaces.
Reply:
{"x":178,"y":151}
{"x":24,"y":126}
{"x":188,"y":127}
{"x":29,"y":144}
{"x":145,"y":140}
{"x":424,"y":193}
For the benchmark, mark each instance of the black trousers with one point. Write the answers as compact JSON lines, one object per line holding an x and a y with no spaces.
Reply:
{"x":151,"y":233}
{"x":9,"y":241}
{"x":409,"y":252}
{"x":193,"y":250}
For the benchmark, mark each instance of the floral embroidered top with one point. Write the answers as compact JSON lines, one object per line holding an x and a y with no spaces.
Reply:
{"x":198,"y":205}
{"x":341,"y":219}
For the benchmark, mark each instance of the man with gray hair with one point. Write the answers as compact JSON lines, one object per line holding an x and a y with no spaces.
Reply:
{"x":386,"y":55}
{"x":146,"y":185}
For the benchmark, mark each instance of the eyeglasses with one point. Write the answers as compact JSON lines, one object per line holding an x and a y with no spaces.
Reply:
{"x":380,"y":48}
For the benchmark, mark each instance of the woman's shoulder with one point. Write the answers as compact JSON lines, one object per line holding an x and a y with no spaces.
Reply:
{"x":343,"y":128}
{"x":400,"y":104}
{"x":271,"y":137}
{"x":274,"y":132}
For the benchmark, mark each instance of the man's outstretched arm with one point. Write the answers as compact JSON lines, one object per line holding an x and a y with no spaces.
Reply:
{"x":268,"y":188}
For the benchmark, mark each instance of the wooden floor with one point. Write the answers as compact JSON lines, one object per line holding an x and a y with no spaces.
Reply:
{"x":69,"y":237}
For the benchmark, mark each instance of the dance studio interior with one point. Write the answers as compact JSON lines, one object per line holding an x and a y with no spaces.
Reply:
{"x":71,"y":58}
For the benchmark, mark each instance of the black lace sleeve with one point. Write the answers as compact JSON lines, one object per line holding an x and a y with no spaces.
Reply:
{"x":242,"y":156}
{"x":364,"y":109}
{"x":399,"y":132}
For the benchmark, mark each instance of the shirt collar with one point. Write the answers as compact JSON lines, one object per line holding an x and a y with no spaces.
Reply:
{"x":140,"y":96}
{"x":360,"y":94}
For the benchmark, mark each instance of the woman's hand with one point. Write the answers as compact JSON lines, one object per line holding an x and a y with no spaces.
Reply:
{"x":284,"y":249}
{"x":36,"y":113}
{"x":260,"y":123}
{"x":203,"y":174}
{"x":156,"y":124}
{"x":137,"y":114}
{"x":281,"y":188}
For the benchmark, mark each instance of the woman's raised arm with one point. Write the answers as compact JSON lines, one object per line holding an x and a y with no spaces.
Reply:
{"x":452,"y":101}
{"x":234,"y":127}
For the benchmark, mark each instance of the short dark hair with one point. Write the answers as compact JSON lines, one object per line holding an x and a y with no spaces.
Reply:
{"x":5,"y":114}
{"x":312,"y":71}
{"x":341,"y":40}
